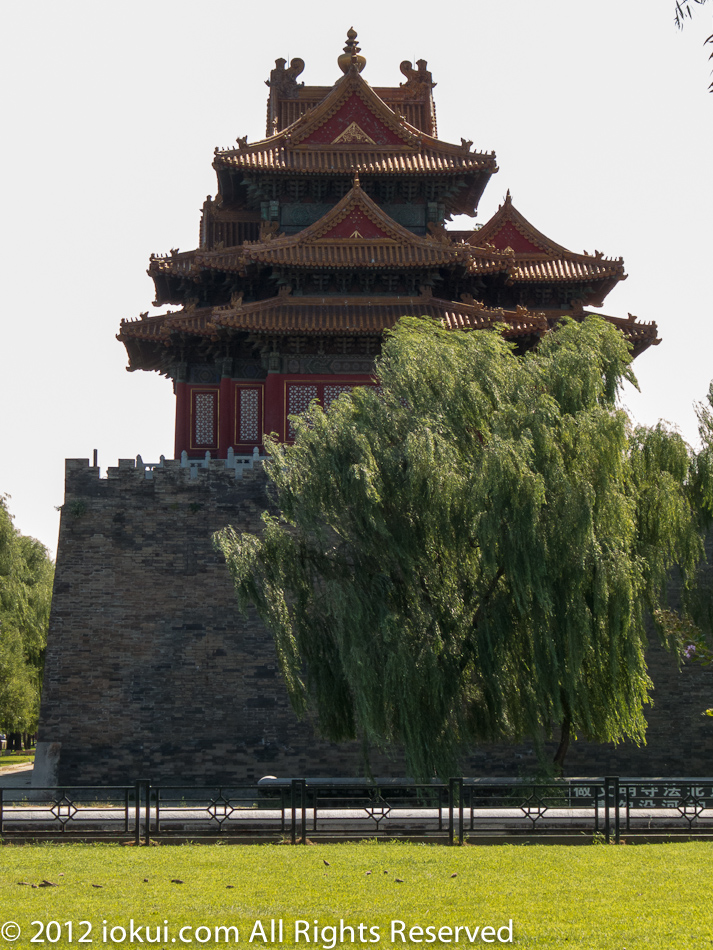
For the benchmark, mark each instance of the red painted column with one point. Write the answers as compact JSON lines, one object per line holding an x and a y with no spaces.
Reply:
{"x":183,"y":415}
{"x":274,"y":412}
{"x":226,"y":411}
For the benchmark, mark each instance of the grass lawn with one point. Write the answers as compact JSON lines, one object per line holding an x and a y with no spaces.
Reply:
{"x":644,"y":896}
{"x":15,"y":758}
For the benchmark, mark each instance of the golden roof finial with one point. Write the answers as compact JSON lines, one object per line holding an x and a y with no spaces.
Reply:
{"x":350,"y":57}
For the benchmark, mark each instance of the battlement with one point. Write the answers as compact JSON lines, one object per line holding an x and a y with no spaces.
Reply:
{"x":175,"y":471}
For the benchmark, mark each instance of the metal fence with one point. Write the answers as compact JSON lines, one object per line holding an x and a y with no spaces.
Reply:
{"x":302,"y":810}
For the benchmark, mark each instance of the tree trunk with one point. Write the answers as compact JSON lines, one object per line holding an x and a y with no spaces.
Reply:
{"x":564,"y":742}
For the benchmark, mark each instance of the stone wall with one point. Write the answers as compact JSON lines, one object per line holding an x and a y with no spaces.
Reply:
{"x":152,"y":673}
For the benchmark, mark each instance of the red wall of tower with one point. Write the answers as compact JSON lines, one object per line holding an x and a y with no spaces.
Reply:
{"x":215,"y":418}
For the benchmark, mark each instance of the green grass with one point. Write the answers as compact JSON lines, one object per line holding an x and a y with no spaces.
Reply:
{"x":15,"y":758}
{"x":646,"y":896}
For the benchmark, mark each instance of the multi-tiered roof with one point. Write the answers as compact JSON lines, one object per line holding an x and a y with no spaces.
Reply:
{"x":323,"y":235}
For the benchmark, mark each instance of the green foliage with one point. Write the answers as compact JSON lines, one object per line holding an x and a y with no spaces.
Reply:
{"x":26,"y":575}
{"x":468,"y":554}
{"x":690,"y":632}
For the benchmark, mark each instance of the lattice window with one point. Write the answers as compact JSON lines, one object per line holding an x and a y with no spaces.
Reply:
{"x":298,"y":399}
{"x":249,"y":430}
{"x":204,"y":406}
{"x":299,"y":396}
{"x":333,"y":392}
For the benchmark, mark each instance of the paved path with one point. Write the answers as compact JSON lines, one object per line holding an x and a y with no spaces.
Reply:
{"x":16,"y":776}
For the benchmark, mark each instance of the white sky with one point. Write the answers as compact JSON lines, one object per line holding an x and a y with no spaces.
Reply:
{"x":598,"y":114}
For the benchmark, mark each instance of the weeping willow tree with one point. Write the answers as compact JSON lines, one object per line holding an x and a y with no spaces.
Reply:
{"x":26,"y":575}
{"x":684,"y":10}
{"x":467,"y":553}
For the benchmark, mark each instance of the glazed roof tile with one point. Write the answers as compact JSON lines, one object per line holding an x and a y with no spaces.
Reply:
{"x":352,"y":128}
{"x":367,"y":254}
{"x":356,"y":315}
{"x":277,"y":158}
{"x":566,"y":270}
{"x":329,"y":315}
{"x":371,"y":255}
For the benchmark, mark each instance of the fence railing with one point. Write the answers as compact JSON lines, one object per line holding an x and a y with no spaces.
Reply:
{"x":301,"y":810}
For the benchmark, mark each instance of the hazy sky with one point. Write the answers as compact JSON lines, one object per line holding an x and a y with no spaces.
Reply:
{"x":598,"y":114}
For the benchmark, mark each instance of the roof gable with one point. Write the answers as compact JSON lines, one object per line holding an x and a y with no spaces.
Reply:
{"x":509,"y":228}
{"x":356,"y":232}
{"x":356,"y":224}
{"x":508,"y":235}
{"x":355,"y":117}
{"x":355,"y":217}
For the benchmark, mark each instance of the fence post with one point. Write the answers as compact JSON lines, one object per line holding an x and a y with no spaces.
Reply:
{"x":451,"y":792}
{"x":303,"y":799}
{"x":293,"y":811}
{"x":147,"y":792}
{"x":611,"y":787}
{"x":460,"y":810}
{"x":137,"y":813}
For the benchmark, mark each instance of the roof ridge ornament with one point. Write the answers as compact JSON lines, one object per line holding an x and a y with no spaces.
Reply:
{"x":418,"y":81}
{"x":350,"y":58}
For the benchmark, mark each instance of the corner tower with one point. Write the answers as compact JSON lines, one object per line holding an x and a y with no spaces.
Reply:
{"x":320,"y":237}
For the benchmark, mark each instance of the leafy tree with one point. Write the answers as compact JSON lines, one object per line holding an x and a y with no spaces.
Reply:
{"x":691,"y":628}
{"x":684,"y":10}
{"x":26,"y":575}
{"x":467,"y":553}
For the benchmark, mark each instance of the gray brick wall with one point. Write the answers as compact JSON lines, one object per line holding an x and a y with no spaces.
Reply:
{"x":151,"y":672}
